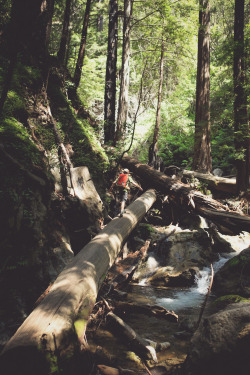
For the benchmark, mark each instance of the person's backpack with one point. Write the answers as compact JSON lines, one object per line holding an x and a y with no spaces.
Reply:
{"x":122,"y":180}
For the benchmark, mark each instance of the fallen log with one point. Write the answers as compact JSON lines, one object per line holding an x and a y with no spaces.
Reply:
{"x":149,"y":310}
{"x":227,"y":185}
{"x":59,"y":322}
{"x":134,"y":341}
{"x":185,"y":197}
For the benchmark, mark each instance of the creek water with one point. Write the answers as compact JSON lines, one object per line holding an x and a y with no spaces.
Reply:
{"x":177,"y":299}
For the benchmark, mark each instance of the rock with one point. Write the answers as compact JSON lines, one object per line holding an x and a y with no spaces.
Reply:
{"x":221,"y":344}
{"x":234,"y":276}
{"x":226,"y":244}
{"x":187,"y":249}
{"x":218,"y":172}
{"x":167,"y":276}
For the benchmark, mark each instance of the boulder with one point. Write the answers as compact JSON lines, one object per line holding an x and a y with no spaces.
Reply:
{"x":221,"y":344}
{"x":167,"y":276}
{"x":234,"y":276}
{"x":178,"y":260}
{"x":187,"y":249}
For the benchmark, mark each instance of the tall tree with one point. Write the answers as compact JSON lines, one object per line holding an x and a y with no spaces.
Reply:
{"x":65,"y":32}
{"x":110,"y":81}
{"x":202,"y":160}
{"x":153,"y":151}
{"x":79,"y":64}
{"x":124,"y":83}
{"x":241,"y":126}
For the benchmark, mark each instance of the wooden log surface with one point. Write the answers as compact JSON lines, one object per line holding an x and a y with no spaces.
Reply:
{"x":227,"y":185}
{"x":62,"y":316}
{"x":185,"y":197}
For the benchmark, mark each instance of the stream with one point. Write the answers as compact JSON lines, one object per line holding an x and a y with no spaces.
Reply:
{"x":186,"y":302}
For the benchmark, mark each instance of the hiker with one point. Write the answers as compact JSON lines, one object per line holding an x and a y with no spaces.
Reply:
{"x":122,"y":183}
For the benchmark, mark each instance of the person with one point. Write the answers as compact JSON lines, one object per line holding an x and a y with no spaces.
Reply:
{"x":123,"y":185}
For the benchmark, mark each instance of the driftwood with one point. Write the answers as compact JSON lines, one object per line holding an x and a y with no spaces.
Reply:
{"x":227,"y":185}
{"x":185,"y":197}
{"x":150,"y":310}
{"x":136,"y":343}
{"x":59,"y":321}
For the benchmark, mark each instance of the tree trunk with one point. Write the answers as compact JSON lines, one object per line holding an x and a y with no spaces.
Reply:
{"x":185,"y":197}
{"x":124,"y":84}
{"x":110,"y":82}
{"x":54,"y":325}
{"x":153,"y":152}
{"x":65,"y":31}
{"x":241,"y":125}
{"x":202,"y":161}
{"x":79,"y":64}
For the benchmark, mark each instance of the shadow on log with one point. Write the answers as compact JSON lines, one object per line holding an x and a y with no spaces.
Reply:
{"x":59,"y":321}
{"x":186,"y":198}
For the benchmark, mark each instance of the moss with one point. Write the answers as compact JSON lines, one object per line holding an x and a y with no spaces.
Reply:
{"x":223,"y":301}
{"x":145,"y":231}
{"x":16,"y":137}
{"x":78,"y":132}
{"x":238,"y":261}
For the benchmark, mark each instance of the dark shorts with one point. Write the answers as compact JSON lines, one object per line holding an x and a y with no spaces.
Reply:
{"x":123,"y":195}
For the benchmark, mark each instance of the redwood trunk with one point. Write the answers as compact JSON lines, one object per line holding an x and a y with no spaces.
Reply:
{"x":241,"y":125}
{"x":153,"y":152}
{"x":124,"y":85}
{"x":202,"y":161}
{"x":65,"y":32}
{"x":79,"y":64}
{"x":110,"y":82}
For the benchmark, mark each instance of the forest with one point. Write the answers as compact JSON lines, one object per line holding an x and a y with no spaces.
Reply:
{"x":152,"y":277}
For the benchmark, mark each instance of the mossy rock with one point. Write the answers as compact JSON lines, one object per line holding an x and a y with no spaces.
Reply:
{"x":223,"y":301}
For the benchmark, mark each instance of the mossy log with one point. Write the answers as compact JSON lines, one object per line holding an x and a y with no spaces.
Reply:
{"x":183,"y":196}
{"x":59,"y":322}
{"x":227,"y":185}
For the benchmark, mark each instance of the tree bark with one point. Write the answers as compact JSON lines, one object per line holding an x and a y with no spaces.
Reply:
{"x":79,"y":64}
{"x":241,"y":125}
{"x":124,"y":84}
{"x":202,"y":160}
{"x":65,"y":33}
{"x":110,"y":81}
{"x":153,"y":152}
{"x":185,"y":197}
{"x":227,"y":185}
{"x":61,"y":318}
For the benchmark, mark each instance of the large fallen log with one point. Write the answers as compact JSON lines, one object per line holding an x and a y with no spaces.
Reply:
{"x":59,"y":321}
{"x":185,"y":197}
{"x":227,"y":185}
